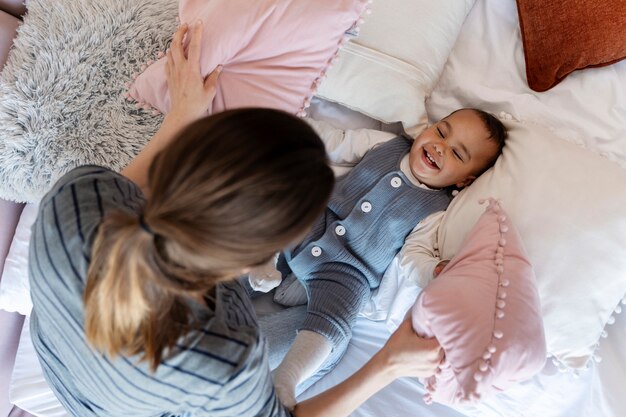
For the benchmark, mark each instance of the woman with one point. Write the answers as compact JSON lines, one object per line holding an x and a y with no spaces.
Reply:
{"x":137,"y":310}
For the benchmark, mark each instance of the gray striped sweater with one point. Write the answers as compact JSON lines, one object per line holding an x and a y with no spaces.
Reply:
{"x":219,"y":370}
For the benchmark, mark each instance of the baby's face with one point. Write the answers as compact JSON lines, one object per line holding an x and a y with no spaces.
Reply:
{"x":452,"y":151}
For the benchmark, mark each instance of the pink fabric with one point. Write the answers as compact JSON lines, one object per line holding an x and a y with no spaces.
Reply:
{"x":15,"y":7}
{"x":484,"y":311}
{"x":8,"y":28}
{"x":273,"y":51}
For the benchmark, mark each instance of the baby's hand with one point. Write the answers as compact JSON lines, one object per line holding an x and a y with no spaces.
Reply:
{"x":439,"y":268}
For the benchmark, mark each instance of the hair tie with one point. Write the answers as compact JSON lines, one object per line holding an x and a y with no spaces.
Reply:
{"x":144,"y":225}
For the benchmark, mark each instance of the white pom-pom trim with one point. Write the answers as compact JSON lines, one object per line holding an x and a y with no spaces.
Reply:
{"x":365,"y":10}
{"x":484,"y":365}
{"x":595,"y":357}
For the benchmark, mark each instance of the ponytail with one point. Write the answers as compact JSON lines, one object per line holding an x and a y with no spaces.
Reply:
{"x":133,"y":304}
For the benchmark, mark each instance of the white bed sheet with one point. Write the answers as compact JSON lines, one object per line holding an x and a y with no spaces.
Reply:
{"x":595,"y":393}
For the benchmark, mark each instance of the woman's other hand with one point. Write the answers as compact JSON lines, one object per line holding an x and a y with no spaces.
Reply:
{"x":409,"y":355}
{"x":404,"y":354}
{"x":191,"y":94}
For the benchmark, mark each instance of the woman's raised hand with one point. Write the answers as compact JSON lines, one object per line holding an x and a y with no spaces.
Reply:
{"x":191,"y":94}
{"x":191,"y":97}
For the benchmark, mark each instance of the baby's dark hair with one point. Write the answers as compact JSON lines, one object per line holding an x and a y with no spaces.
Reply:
{"x":497,"y":131}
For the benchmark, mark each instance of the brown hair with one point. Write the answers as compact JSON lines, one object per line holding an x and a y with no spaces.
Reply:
{"x":497,"y":130}
{"x":229,"y":192}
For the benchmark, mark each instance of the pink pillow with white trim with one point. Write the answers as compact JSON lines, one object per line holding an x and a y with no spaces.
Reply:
{"x":484,"y":310}
{"x":274,"y":52}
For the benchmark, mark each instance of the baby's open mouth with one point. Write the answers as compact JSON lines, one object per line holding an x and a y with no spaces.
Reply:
{"x":429,"y":160}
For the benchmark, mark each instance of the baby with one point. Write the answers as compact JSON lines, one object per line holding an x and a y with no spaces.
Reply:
{"x":395,"y":184}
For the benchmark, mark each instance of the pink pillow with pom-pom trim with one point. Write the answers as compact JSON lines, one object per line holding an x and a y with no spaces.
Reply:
{"x":274,"y":52}
{"x":484,"y":310}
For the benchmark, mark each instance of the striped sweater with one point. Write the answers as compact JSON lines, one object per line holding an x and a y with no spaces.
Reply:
{"x":218,"y":370}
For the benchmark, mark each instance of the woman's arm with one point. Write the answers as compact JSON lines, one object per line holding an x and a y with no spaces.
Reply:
{"x":191,"y":97}
{"x":404,"y":354}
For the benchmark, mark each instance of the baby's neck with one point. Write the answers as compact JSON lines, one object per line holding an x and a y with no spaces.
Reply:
{"x":405,"y":167}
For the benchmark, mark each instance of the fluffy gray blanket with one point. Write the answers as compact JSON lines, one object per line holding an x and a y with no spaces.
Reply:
{"x":61,"y":91}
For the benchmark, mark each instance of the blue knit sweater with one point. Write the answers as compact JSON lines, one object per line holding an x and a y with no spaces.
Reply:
{"x":372,"y":210}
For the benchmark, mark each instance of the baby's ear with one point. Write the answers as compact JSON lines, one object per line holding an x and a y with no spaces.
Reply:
{"x":467,"y":181}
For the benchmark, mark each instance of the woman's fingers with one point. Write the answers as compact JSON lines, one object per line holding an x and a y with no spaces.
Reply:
{"x":429,"y":346}
{"x":177,"y":51}
{"x":210,"y":86}
{"x":210,"y":82}
{"x":168,"y":64}
{"x":411,"y":355}
{"x":191,"y":94}
{"x":432,"y":351}
{"x":195,"y":44}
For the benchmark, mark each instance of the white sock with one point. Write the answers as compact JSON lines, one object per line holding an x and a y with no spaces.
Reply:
{"x":307,"y":354}
{"x":265,"y":277}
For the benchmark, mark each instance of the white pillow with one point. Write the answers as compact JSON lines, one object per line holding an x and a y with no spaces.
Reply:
{"x":392,"y":66}
{"x":569,"y":205}
{"x":28,"y":389}
{"x":14,"y":287}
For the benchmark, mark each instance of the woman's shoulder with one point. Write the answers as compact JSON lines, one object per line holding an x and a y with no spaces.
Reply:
{"x":89,"y":180}
{"x":69,"y":215}
{"x":80,"y":198}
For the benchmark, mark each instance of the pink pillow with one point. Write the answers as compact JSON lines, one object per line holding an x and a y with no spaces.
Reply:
{"x":484,"y":311}
{"x":274,"y":52}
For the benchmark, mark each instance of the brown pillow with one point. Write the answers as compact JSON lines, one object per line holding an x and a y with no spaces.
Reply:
{"x":563,"y":36}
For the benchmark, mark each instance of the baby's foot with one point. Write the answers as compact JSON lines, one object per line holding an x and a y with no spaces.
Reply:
{"x":285,"y":389}
{"x":290,"y":292}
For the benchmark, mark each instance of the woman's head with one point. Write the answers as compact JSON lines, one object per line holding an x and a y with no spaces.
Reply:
{"x":228,"y":193}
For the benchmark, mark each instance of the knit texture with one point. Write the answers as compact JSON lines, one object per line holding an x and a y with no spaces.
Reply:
{"x":371,"y":211}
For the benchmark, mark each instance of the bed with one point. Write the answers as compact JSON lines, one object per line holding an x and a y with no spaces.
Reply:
{"x":484,"y":67}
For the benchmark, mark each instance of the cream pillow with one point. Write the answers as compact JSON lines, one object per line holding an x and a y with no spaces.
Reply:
{"x":391,"y":67}
{"x":569,"y":205}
